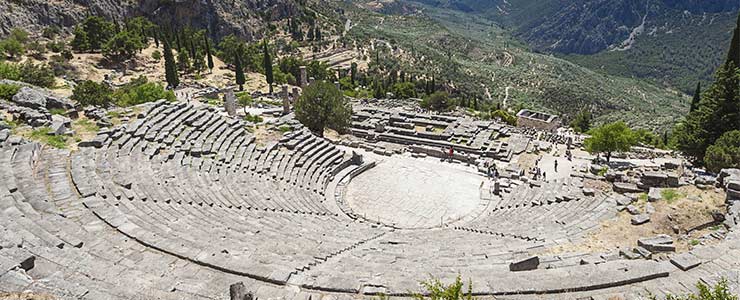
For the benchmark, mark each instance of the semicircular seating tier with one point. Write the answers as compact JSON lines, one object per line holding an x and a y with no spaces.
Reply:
{"x":182,"y":202}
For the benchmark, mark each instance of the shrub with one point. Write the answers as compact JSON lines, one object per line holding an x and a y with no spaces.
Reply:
{"x":156,"y":55}
{"x":404,"y":90}
{"x":40,"y":75}
{"x":89,"y":92}
{"x":7,"y":91}
{"x":438,"y":291}
{"x":725,"y":153}
{"x":253,"y":118}
{"x":140,"y":91}
{"x":439,"y":101}
{"x":504,"y":116}
{"x":720,"y":291}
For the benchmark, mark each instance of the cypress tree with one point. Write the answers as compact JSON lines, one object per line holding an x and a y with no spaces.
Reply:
{"x":170,"y":68}
{"x":317,"y":34}
{"x":192,"y":48}
{"x":240,"y":79}
{"x":733,"y":55}
{"x":353,"y":73}
{"x":177,"y":41}
{"x":697,"y":98}
{"x":208,"y":54}
{"x":267,"y":61}
{"x":156,"y":38}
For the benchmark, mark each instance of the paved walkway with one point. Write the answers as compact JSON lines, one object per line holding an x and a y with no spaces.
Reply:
{"x":415,"y":193}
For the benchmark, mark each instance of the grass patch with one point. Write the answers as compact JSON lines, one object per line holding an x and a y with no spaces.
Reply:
{"x":603,"y":171}
{"x":42,"y":135}
{"x":285,"y":128}
{"x":86,"y":125}
{"x":643,"y":197}
{"x":670,"y":195}
{"x":57,"y":111}
{"x":694,"y":242}
{"x":253,"y":118}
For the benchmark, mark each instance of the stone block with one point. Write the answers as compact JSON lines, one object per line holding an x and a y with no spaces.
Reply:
{"x":526,"y":264}
{"x":659,"y":243}
{"x":588,"y":192}
{"x":640,"y":219}
{"x":624,"y":187}
{"x":685,"y":261}
{"x":633,"y":210}
{"x":645,"y":253}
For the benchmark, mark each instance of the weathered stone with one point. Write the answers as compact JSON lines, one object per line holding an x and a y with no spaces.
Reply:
{"x":589,"y":192}
{"x":624,"y":187}
{"x":629,"y":254}
{"x":526,"y":264}
{"x":685,"y":261}
{"x":654,"y":194}
{"x":4,"y":134}
{"x":645,"y":253}
{"x":633,"y":210}
{"x":640,"y":219}
{"x":29,"y":97}
{"x":659,"y":243}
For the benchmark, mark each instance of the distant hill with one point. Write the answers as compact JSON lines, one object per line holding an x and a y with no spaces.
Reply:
{"x":673,"y":42}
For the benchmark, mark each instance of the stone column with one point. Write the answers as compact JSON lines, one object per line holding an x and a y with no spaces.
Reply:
{"x":304,"y":76}
{"x":230,"y":102}
{"x":286,"y":100}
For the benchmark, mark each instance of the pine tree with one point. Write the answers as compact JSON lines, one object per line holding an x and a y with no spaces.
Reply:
{"x":267,"y":61}
{"x":208,"y":54}
{"x":240,"y":79}
{"x":170,"y":68}
{"x":697,"y":98}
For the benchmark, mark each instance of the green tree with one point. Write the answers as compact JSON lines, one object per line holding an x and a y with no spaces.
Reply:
{"x":97,"y":32}
{"x":123,"y":46}
{"x":183,"y":61}
{"x":404,"y":90}
{"x":696,"y":99}
{"x":170,"y":68}
{"x":439,"y":101}
{"x":609,"y":138}
{"x":353,"y":72}
{"x":239,"y":70}
{"x":321,"y":106}
{"x":80,"y":42}
{"x":733,"y":55}
{"x":725,"y":153}
{"x":267,"y":62}
{"x":245,"y":100}
{"x":92,"y":93}
{"x":582,"y":122}
{"x":208,"y":54}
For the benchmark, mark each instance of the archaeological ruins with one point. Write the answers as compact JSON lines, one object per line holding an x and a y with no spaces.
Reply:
{"x":181,"y":201}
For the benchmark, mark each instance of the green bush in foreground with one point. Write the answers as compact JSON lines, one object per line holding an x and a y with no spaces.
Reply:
{"x":438,"y":291}
{"x":719,"y":292}
{"x":7,"y":91}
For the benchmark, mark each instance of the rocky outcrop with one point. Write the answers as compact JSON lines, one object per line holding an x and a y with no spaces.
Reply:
{"x":244,"y":18}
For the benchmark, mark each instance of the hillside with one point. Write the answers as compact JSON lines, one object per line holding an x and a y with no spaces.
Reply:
{"x":482,"y":58}
{"x":674,"y":43}
{"x":246,"y":18}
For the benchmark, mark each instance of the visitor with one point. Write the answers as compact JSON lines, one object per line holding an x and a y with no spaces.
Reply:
{"x":556,"y":165}
{"x":452,"y":153}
